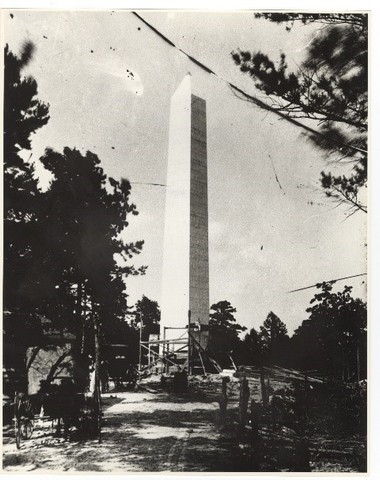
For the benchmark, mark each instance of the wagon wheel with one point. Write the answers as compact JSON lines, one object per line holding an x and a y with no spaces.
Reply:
{"x":27,"y":427}
{"x":23,"y":418}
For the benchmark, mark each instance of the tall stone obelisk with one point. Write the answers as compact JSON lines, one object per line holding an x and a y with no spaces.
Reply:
{"x":185,"y":285}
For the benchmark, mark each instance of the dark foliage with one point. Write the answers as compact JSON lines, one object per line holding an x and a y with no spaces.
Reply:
{"x":148,"y":312}
{"x":224,"y":333}
{"x":274,"y":340}
{"x":333,"y":340}
{"x":84,"y":215}
{"x":331,"y":406}
{"x":65,"y":256}
{"x":250,"y":351}
{"x":24,"y":114}
{"x":147,"y":317}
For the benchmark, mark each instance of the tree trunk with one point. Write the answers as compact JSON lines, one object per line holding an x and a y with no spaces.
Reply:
{"x":80,"y":321}
{"x":97,"y":395}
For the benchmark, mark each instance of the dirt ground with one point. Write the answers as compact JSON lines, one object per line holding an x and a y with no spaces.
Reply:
{"x":157,"y":430}
{"x":142,"y":431}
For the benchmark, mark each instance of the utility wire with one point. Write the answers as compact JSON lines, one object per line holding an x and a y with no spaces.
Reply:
{"x":264,"y":106}
{"x":249,"y":97}
{"x":148,"y":183}
{"x":329,"y":281}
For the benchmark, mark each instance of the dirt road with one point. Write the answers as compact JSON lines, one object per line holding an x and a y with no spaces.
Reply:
{"x":150,"y":432}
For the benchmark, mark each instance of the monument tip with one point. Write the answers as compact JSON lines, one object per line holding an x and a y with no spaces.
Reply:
{"x":184,"y":86}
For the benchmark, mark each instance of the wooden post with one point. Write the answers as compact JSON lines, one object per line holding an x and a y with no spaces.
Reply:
{"x":223,"y":401}
{"x":243,"y":403}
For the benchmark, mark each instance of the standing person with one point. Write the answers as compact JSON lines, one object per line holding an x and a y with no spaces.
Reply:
{"x":91,"y":378}
{"x":68,"y":406}
{"x":104,"y":377}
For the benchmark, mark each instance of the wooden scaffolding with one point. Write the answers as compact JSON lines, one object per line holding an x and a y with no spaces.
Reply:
{"x":183,"y":353}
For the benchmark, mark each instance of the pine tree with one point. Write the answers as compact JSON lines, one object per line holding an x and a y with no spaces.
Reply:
{"x":274,"y":339}
{"x":329,"y":88}
{"x":24,"y":114}
{"x":224,"y":332}
{"x":86,"y":214}
{"x":333,"y":339}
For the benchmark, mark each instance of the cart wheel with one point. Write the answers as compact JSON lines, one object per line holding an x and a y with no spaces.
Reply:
{"x":27,"y":429}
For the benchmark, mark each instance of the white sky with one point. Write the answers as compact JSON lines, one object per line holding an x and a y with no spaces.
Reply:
{"x":95,"y":105}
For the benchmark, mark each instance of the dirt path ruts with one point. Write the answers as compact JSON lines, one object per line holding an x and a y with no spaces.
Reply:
{"x":141,"y":432}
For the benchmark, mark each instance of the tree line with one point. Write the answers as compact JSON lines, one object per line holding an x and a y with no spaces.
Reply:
{"x":331,"y":342}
